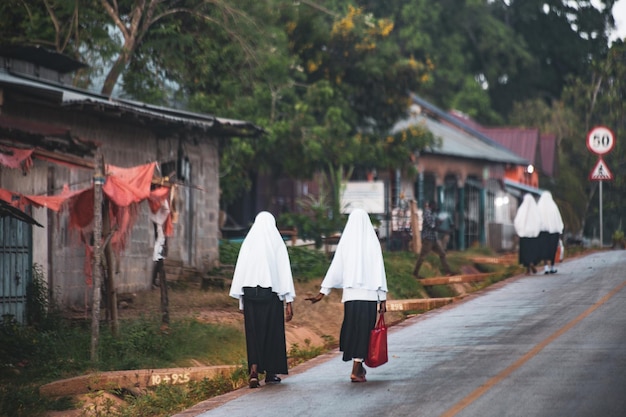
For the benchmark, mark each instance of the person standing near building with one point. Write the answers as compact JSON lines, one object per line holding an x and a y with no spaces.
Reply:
{"x":263,"y":284}
{"x":429,"y":240}
{"x":527,"y":223}
{"x":358,"y":268}
{"x":550,"y":230}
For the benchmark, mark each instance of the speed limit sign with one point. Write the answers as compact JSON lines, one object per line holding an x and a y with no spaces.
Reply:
{"x":600,"y":140}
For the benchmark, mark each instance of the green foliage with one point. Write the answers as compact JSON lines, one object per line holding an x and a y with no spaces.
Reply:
{"x":400,"y":280}
{"x":298,"y":355}
{"x":166,"y":400}
{"x":229,"y":252}
{"x":318,"y":219}
{"x":36,"y":297}
{"x":22,"y":402}
{"x":307,"y":264}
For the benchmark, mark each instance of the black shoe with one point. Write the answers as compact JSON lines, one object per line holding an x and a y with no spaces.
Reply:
{"x":553,"y":271}
{"x":272,"y":379}
{"x":254,"y":380}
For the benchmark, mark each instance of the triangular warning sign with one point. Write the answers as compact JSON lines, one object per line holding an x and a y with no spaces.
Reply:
{"x":601,"y":172}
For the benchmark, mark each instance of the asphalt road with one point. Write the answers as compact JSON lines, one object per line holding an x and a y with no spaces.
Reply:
{"x":540,"y":345}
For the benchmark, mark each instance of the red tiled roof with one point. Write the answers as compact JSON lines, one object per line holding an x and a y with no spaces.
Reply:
{"x":530,"y":144}
{"x":521,"y":141}
{"x":547,"y":147}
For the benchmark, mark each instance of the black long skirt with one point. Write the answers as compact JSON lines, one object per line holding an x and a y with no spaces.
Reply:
{"x":265,"y":335}
{"x":529,"y":253}
{"x":548,"y":244}
{"x":359,"y":318}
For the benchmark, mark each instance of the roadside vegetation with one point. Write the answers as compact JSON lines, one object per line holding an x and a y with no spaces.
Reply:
{"x":53,"y":346}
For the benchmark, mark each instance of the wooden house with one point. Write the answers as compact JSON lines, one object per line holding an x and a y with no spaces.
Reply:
{"x":61,"y":128}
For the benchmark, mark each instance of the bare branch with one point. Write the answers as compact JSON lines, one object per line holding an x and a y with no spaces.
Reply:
{"x":55,"y":23}
{"x":113,"y":13}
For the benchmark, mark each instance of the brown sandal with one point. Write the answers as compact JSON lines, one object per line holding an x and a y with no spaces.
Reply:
{"x":358,"y":372}
{"x":254,"y":381}
{"x":355,"y":378}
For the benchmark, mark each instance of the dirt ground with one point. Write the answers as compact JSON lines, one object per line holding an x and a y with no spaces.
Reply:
{"x":312,"y":324}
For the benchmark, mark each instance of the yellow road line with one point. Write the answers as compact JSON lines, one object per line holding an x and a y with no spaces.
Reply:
{"x":480,"y":391}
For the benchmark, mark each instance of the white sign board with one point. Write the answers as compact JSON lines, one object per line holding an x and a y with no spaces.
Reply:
{"x":367,"y":195}
{"x":601,"y":172}
{"x":600,"y":140}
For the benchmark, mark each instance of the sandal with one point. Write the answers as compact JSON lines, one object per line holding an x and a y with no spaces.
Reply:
{"x":254,"y":380}
{"x":272,"y":379}
{"x":358,"y":378}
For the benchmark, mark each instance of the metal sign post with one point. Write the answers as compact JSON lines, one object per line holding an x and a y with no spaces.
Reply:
{"x":600,"y":141}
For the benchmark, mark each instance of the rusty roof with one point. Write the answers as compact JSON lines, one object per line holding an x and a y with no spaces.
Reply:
{"x":42,"y":56}
{"x":157,"y":116}
{"x":529,"y":143}
{"x":28,"y":133}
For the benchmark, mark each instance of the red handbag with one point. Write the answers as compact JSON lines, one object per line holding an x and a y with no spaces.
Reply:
{"x":377,"y":352}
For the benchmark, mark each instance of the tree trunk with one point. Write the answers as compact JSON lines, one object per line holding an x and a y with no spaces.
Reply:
{"x":97,"y":254}
{"x":114,"y":73}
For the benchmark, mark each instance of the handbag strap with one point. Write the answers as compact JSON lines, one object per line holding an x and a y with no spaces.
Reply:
{"x":381,"y":320}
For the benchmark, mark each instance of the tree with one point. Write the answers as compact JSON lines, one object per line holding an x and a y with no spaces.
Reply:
{"x":598,"y":99}
{"x":358,"y":88}
{"x":563,"y":38}
{"x":467,"y":48}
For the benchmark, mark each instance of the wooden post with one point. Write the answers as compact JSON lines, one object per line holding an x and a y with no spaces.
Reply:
{"x":98,"y":182}
{"x":165,"y":313}
{"x":415,"y":229}
{"x":109,"y":267}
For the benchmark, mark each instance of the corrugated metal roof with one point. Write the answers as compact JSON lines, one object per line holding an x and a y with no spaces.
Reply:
{"x":519,"y":189}
{"x":529,"y":143}
{"x":455,"y":142}
{"x":547,"y":144}
{"x":42,"y":56}
{"x":521,"y":141}
{"x":46,"y":136}
{"x":72,"y":98}
{"x":444,"y":117}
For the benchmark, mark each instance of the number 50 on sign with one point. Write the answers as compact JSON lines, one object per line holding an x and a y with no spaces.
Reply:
{"x":600,"y":140}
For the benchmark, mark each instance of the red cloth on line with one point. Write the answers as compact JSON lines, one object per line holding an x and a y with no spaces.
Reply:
{"x":20,"y":158}
{"x":124,"y":189}
{"x":54,"y":202}
{"x":125,"y":186}
{"x":10,"y":197}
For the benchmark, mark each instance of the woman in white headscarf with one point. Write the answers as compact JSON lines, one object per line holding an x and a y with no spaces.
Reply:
{"x":527,"y":223}
{"x":358,"y":268}
{"x":262,"y":282}
{"x":551,"y":227}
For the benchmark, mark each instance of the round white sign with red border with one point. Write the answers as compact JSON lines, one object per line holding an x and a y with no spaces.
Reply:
{"x":600,"y":140}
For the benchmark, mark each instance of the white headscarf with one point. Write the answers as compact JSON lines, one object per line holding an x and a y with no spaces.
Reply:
{"x":527,"y":220}
{"x":263,"y":260}
{"x":549,"y":213}
{"x":358,"y":260}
